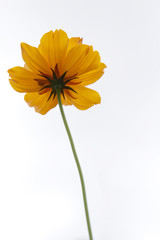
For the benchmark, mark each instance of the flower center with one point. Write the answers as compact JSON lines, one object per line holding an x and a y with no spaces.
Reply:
{"x":57,"y":84}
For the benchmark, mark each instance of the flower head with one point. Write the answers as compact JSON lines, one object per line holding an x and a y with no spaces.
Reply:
{"x":59,"y":63}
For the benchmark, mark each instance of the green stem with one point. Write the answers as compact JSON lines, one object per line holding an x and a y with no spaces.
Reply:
{"x":77,"y":162}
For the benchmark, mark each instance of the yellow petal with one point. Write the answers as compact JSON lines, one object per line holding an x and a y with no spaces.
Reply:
{"x":84,"y":98}
{"x":47,"y":48}
{"x":74,"y":59}
{"x":34,"y":60}
{"x":22,"y":80}
{"x":40,"y":102}
{"x":66,"y":101}
{"x":60,"y":48}
{"x":90,"y":62}
{"x":89,"y":77}
{"x":73,"y":42}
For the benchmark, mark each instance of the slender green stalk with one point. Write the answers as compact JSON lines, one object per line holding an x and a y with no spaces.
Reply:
{"x":77,"y":162}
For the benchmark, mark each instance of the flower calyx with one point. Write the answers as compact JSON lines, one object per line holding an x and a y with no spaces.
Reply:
{"x":57,"y":84}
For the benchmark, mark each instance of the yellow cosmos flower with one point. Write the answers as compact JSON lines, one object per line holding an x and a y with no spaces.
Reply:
{"x":58,"y":62}
{"x":57,"y":72}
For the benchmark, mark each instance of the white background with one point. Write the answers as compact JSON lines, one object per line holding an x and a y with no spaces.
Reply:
{"x":118,"y":142}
